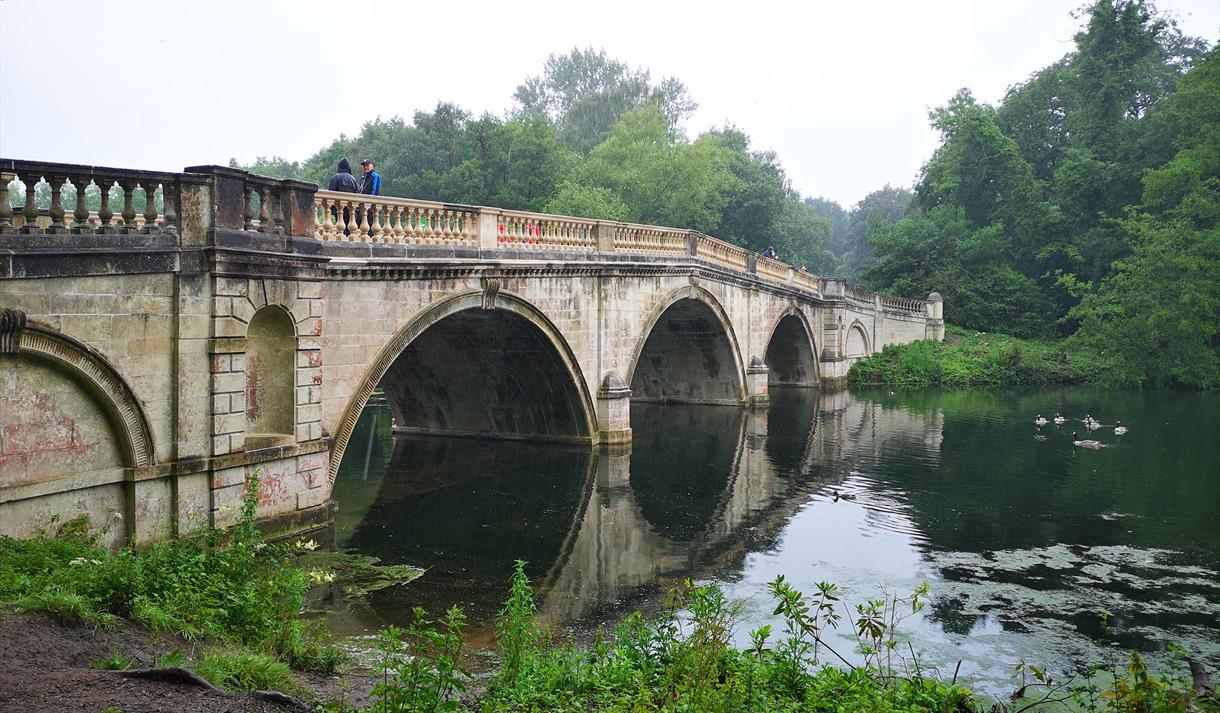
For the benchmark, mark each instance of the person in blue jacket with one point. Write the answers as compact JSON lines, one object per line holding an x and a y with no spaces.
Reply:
{"x":371,"y":185}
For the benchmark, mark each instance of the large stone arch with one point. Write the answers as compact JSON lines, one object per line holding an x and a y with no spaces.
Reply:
{"x":792,"y":353}
{"x":696,"y":304}
{"x":72,"y":435}
{"x":434,"y":314}
{"x":92,"y":371}
{"x":857,"y":344}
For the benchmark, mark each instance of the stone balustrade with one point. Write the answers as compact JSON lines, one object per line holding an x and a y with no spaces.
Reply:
{"x":253,"y":203}
{"x":650,"y":239}
{"x":158,"y":192}
{"x":718,"y":251}
{"x":553,"y":232}
{"x":349,"y":217}
{"x":773,"y":269}
{"x":903,"y":304}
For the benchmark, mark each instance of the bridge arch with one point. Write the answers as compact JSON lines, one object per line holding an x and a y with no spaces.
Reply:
{"x":688,"y":352}
{"x":101,"y":381}
{"x":792,"y":353}
{"x":857,"y":344}
{"x":473,"y":309}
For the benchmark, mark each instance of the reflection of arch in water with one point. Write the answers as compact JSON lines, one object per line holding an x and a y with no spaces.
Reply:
{"x":857,"y":341}
{"x":465,"y":512}
{"x":792,"y":358}
{"x":635,"y":534}
{"x":688,"y":353}
{"x":517,"y":376}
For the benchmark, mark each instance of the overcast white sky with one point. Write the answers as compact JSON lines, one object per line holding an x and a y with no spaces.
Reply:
{"x":839,"y":90}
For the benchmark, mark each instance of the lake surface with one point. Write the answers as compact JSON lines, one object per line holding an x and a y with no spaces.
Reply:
{"x":1033,"y":549}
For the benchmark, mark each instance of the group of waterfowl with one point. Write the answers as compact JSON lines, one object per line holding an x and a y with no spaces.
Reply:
{"x":1089,"y":422}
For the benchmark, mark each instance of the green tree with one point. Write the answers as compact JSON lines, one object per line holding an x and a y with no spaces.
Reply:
{"x":652,"y":175}
{"x":1159,"y":314}
{"x":875,"y":213}
{"x":584,"y":94}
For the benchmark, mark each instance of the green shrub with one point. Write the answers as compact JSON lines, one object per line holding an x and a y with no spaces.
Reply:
{"x":245,"y":671}
{"x":114,"y":662}
{"x":978,"y":359}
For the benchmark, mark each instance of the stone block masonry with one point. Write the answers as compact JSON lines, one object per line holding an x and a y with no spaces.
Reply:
{"x":150,"y":363}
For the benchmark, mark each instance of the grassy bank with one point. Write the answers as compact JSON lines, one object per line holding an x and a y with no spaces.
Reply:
{"x":968,"y":358}
{"x":241,"y":598}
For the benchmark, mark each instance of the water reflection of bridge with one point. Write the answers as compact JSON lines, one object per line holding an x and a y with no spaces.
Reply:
{"x":614,"y":529}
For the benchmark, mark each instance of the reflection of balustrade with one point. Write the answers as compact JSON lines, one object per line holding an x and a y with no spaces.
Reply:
{"x":112,"y":185}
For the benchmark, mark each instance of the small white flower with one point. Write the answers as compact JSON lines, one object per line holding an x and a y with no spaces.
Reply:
{"x":307,"y":545}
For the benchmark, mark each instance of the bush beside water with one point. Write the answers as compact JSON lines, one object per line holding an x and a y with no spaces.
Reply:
{"x":969,"y":358}
{"x":242,"y":596}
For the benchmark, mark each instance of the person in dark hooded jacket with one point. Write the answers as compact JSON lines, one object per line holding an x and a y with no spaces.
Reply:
{"x":344,"y":182}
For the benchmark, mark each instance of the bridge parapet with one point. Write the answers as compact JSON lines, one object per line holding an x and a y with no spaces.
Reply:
{"x":74,"y":208}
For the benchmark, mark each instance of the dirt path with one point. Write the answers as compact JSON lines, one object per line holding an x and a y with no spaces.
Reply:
{"x":45,"y":666}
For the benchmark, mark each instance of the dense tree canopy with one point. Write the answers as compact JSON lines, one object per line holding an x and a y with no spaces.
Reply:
{"x":1084,"y":204}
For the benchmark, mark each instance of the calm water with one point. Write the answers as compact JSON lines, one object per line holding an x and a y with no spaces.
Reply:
{"x":1025,"y":543}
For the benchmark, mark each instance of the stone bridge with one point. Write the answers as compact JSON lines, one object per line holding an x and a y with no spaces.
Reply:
{"x":165,"y":335}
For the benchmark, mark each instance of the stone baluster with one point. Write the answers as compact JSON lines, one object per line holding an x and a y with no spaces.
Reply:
{"x":264,"y":208}
{"x":376,"y":214}
{"x":323,"y":229}
{"x":104,"y":214}
{"x":247,"y":214}
{"x":150,"y":206}
{"x":6,"y":210}
{"x":30,"y":210}
{"x":352,"y":224}
{"x":393,"y":218}
{"x":169,"y":203}
{"x":80,"y":215}
{"x":129,"y":208}
{"x":59,"y":223}
{"x":277,"y":211}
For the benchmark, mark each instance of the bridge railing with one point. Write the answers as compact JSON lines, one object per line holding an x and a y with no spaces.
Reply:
{"x":86,"y":199}
{"x":349,"y":217}
{"x":62,"y":198}
{"x":718,"y":251}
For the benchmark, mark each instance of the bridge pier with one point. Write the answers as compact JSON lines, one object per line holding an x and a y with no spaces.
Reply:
{"x":614,"y":411}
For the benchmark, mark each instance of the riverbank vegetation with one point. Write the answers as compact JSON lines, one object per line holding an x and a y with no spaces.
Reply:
{"x":970,"y":358}
{"x":240,"y":598}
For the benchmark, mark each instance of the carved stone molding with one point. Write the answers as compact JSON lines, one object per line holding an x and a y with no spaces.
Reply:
{"x":491,"y":288}
{"x":12,"y":323}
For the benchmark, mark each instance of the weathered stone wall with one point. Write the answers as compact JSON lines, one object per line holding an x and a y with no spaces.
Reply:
{"x":161,"y":363}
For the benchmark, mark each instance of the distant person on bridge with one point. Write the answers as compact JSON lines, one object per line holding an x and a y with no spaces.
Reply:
{"x":371,"y":185}
{"x":344,"y":182}
{"x":770,"y":252}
